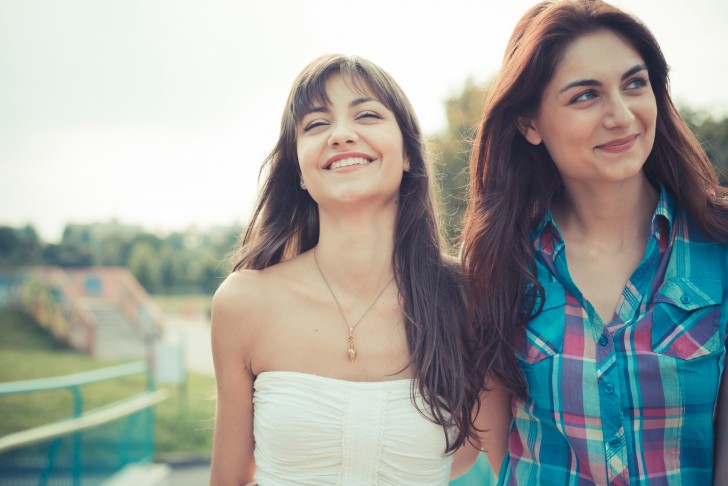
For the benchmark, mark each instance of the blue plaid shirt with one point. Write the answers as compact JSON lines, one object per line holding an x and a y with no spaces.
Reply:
{"x":633,"y":400}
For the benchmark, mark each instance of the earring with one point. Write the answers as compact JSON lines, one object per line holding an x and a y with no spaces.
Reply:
{"x":303,"y":184}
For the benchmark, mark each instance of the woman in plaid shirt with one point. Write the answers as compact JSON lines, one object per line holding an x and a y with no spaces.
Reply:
{"x":595,"y":248}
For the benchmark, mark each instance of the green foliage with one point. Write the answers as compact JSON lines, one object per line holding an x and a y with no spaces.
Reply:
{"x":190,"y":262}
{"x":19,"y":247}
{"x":183,"y":421}
{"x":71,"y":255}
{"x":144,"y":264}
{"x":713,"y":135}
{"x":463,"y":115}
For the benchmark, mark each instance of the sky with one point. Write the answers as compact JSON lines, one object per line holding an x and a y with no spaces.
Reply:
{"x":160,"y":112}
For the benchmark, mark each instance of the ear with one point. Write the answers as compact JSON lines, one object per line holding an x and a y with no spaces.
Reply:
{"x":528,"y":130}
{"x":406,"y":163}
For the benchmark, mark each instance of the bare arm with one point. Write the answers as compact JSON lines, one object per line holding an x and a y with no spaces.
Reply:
{"x":720,"y":461}
{"x":232,"y":453}
{"x":492,"y":423}
{"x":463,"y":459}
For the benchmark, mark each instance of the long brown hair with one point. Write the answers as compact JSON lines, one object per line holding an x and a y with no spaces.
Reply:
{"x":285,"y":223}
{"x":513,"y":182}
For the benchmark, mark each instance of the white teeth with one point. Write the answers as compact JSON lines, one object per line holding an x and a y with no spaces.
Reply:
{"x":348,"y":162}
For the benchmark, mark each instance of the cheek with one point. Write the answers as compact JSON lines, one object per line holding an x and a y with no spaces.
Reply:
{"x":399,"y":148}
{"x":651,"y":117}
{"x":558,"y":127}
{"x":647,"y":109}
{"x":568,"y":144}
{"x":572,"y":136}
{"x":305,"y":153}
{"x":561,"y":137}
{"x":647,"y":115}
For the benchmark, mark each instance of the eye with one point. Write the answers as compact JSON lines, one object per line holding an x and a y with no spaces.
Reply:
{"x":637,"y":83}
{"x":584,"y":96}
{"x":368,"y":114}
{"x":314,"y":124}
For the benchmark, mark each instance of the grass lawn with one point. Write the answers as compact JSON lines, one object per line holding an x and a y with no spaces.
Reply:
{"x":183,"y":422}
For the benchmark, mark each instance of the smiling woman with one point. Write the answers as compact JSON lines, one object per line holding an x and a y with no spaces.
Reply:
{"x":596,"y":254}
{"x":597,"y":114}
{"x":356,"y":139}
{"x":338,"y":340}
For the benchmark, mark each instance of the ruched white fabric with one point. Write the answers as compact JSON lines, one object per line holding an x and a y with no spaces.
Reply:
{"x":312,"y":430}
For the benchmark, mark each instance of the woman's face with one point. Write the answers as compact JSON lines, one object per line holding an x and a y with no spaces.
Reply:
{"x":597,"y":114}
{"x":351,"y":150}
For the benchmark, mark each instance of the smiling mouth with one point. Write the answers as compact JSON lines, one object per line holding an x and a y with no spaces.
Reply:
{"x":618,"y":145}
{"x":348,"y":162}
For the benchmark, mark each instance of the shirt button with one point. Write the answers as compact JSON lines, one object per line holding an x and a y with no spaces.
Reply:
{"x":609,"y":388}
{"x":603,"y":340}
{"x":614,"y":442}
{"x":685,"y":299}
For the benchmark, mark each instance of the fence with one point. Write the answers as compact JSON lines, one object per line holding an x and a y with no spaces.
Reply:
{"x":88,"y":446}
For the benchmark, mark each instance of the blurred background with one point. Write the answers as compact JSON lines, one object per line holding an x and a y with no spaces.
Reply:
{"x":131,"y":136}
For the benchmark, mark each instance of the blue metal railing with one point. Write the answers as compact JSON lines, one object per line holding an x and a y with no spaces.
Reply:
{"x":80,"y":428}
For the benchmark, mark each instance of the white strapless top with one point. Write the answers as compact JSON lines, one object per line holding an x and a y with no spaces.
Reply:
{"x":312,"y":430}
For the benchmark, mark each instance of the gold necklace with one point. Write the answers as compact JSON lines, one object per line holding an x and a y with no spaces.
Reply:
{"x":351,"y":352}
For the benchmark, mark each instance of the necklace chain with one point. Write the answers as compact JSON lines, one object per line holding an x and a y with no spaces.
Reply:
{"x":351,"y":352}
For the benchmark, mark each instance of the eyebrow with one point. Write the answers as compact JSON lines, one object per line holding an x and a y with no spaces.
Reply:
{"x":593,"y":82}
{"x":354,"y":103}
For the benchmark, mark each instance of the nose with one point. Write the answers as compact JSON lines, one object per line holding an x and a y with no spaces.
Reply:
{"x":342,"y":134}
{"x":618,"y":114}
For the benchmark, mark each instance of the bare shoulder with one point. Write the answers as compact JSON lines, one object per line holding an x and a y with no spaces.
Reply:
{"x":237,"y":291}
{"x":248,"y":315}
{"x":240,"y":291}
{"x":238,"y":308}
{"x":243,"y":301}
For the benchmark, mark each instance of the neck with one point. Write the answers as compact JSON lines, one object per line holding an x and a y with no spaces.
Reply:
{"x":355,"y":251}
{"x":608,"y":213}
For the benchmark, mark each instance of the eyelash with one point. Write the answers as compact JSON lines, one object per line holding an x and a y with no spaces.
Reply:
{"x":363,"y":114}
{"x":642,"y":82}
{"x":576,"y":99}
{"x":313,"y":124}
{"x":368,"y":114}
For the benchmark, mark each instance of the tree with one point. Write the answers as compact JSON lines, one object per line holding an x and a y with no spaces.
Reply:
{"x":8,"y":241}
{"x":69,"y":255}
{"x":145,"y":266}
{"x":453,"y":149}
{"x":713,"y":135}
{"x":19,"y":247}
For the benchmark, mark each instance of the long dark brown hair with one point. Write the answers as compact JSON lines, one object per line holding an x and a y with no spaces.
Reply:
{"x":513,"y":182}
{"x":285,"y":223}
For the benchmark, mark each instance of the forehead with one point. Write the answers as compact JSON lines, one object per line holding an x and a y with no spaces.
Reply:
{"x":338,"y":85}
{"x":596,"y":55}
{"x":317,"y":93}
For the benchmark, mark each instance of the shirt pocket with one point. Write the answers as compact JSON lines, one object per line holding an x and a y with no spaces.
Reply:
{"x":685,"y":317}
{"x":543,"y":336}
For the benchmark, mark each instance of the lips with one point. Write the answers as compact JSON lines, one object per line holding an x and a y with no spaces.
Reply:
{"x":339,"y":161}
{"x":619,"y":144}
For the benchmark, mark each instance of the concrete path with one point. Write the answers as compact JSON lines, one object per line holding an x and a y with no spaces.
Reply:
{"x":189,"y":476}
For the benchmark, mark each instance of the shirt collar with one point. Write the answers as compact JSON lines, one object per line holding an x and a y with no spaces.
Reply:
{"x":664,"y":215}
